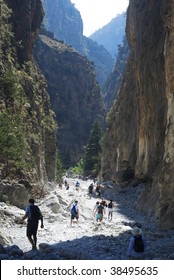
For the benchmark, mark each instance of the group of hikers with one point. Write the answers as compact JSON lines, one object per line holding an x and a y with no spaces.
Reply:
{"x":33,"y":214}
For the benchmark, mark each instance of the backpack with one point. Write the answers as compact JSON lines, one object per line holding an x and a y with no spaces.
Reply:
{"x":100,"y":209}
{"x":110,"y":205}
{"x":73,"y":210}
{"x":35,"y":213}
{"x":138,"y":244}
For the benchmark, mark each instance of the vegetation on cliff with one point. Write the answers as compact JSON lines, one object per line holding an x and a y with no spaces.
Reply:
{"x":26,"y":118}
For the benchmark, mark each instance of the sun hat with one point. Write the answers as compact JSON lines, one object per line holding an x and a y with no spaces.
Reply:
{"x":137,"y":231}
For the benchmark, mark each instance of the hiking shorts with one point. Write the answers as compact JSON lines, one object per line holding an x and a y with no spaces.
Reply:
{"x":74,"y":216}
{"x":32,"y":227}
{"x":100,"y":217}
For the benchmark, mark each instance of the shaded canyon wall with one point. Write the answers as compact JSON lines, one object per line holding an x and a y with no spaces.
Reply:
{"x":149,"y":151}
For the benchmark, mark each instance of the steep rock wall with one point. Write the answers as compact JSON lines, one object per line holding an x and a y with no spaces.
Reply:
{"x":74,"y":95}
{"x":150,"y":32}
{"x":119,"y":145}
{"x":26,"y":19}
{"x":64,"y":20}
{"x":19,"y":73}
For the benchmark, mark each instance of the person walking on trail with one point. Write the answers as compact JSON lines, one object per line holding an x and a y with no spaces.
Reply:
{"x":97,"y":191}
{"x":33,"y":215}
{"x":74,"y":212}
{"x":100,"y":210}
{"x":90,"y":189}
{"x":95,"y":210}
{"x":77,"y":186}
{"x":137,"y":245}
{"x":110,"y":210}
{"x":65,"y":183}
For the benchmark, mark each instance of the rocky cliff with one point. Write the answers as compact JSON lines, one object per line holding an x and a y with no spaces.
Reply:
{"x":64,"y":20}
{"x":149,"y":84}
{"x":27,"y":130}
{"x":74,"y":94}
{"x":111,"y":35}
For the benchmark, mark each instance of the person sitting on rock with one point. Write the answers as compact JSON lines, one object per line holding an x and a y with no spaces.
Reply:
{"x":137,"y":245}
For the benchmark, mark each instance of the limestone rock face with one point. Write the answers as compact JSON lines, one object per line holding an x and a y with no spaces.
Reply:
{"x":119,"y":146}
{"x":150,"y":33}
{"x":74,"y":95}
{"x":26,"y":19}
{"x":64,"y":20}
{"x":14,"y":193}
{"x":38,"y":158}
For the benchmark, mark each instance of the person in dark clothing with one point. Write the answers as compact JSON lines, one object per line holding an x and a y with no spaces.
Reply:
{"x":33,"y":215}
{"x":97,"y":191}
{"x":133,"y":253}
{"x":90,"y":189}
{"x":110,"y":209}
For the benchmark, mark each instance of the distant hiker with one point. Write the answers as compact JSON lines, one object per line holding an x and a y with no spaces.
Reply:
{"x":77,"y":186}
{"x":65,"y":183}
{"x":110,"y":210}
{"x":67,"y":187}
{"x":103,"y":202}
{"x":33,"y":214}
{"x":90,"y":189}
{"x":100,"y":210}
{"x":137,"y":245}
{"x":74,"y":212}
{"x":94,"y":210}
{"x":97,"y":191}
{"x":94,"y":180}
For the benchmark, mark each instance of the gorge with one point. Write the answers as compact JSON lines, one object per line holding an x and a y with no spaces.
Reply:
{"x":139,"y":139}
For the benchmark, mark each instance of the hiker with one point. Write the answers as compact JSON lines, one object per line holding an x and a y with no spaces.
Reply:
{"x":110,"y":210}
{"x":137,"y":245}
{"x":33,"y":215}
{"x":65,"y":183}
{"x":103,"y":202}
{"x":77,"y":186}
{"x":74,"y":212}
{"x":90,"y":189}
{"x":94,"y":210}
{"x":97,"y":191}
{"x":100,"y":210}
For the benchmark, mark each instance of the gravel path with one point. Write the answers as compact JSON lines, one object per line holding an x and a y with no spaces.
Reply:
{"x":107,"y":240}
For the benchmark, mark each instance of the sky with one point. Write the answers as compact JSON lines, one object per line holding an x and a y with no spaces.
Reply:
{"x":97,"y":13}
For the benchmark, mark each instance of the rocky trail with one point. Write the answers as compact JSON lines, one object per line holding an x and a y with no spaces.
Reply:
{"x":88,"y":239}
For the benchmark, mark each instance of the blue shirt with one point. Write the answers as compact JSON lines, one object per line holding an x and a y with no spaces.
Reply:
{"x":28,"y":212}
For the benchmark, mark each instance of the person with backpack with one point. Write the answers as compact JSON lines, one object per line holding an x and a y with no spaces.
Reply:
{"x":110,"y":210}
{"x":77,"y":186}
{"x":137,"y":245}
{"x":74,"y":212}
{"x":33,"y":215}
{"x":100,"y":210}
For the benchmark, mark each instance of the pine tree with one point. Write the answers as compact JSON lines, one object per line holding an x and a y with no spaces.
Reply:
{"x":92,"y":159}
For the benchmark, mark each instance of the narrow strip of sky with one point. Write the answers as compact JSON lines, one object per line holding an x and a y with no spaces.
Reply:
{"x":97,"y":13}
